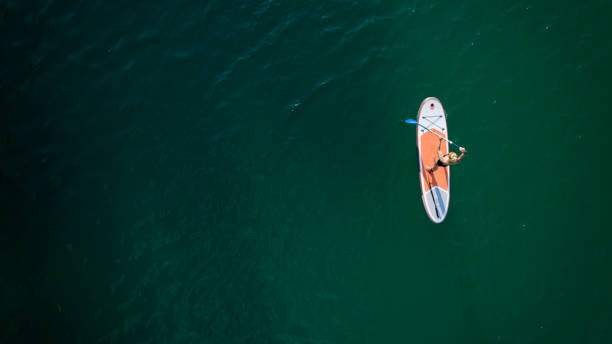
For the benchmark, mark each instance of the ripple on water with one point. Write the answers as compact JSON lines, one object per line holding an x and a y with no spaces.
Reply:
{"x":181,"y":54}
{"x":146,"y":34}
{"x":126,"y":67}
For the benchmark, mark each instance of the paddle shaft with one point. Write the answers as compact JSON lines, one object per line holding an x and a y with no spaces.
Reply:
{"x":412,"y":121}
{"x":442,"y":137}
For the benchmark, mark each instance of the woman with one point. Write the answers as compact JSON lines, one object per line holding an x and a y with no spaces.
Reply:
{"x":446,"y":159}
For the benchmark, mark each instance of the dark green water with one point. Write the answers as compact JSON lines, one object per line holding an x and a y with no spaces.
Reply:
{"x":238,"y":172}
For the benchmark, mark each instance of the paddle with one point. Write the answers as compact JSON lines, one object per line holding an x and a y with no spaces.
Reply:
{"x":411,"y":121}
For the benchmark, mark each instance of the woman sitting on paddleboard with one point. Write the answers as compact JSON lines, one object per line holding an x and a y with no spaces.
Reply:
{"x":446,"y":159}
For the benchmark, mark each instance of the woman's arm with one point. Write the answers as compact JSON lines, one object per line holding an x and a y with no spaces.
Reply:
{"x":440,"y":156}
{"x":462,"y":153}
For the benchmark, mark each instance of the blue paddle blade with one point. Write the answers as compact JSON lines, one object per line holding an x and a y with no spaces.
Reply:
{"x":411,"y":121}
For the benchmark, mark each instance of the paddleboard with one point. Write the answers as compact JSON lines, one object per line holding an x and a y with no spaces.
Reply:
{"x":435,"y":187}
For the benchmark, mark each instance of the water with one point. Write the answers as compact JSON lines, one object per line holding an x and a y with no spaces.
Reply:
{"x":238,"y":172}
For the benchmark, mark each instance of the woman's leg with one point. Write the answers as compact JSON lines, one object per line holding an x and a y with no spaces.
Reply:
{"x":435,"y":166}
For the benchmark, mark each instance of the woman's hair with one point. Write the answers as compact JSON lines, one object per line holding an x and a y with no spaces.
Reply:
{"x":452,"y":156}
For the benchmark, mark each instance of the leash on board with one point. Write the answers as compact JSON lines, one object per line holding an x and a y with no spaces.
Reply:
{"x":431,"y":191}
